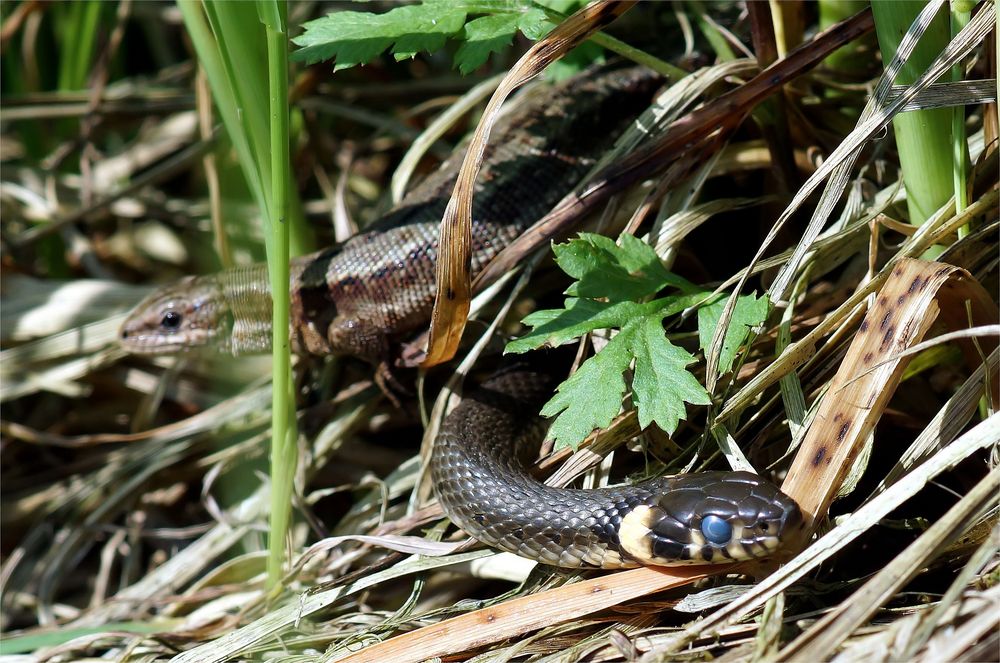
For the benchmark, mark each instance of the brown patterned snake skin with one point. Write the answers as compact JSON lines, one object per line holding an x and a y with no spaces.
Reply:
{"x":361,"y":297}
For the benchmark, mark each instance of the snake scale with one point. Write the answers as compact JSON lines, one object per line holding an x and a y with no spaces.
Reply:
{"x":362,"y":297}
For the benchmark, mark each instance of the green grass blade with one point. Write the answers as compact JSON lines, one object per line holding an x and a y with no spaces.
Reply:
{"x":40,"y":639}
{"x":283,"y":434}
{"x":244,"y":51}
{"x":239,"y":98}
{"x":79,"y":26}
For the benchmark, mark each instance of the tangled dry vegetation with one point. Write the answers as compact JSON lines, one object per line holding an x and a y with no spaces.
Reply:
{"x":135,"y":489}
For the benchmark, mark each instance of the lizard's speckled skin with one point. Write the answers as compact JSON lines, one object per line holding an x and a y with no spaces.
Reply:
{"x":359,"y":297}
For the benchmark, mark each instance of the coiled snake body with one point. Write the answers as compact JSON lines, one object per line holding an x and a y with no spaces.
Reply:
{"x":480,"y":481}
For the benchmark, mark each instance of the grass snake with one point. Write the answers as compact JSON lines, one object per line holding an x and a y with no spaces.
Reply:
{"x":480,"y":479}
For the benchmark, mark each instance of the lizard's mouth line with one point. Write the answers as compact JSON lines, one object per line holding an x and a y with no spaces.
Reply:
{"x":154,"y":345}
{"x":160,"y":344}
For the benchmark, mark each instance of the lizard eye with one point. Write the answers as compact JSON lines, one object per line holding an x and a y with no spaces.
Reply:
{"x":171,"y":320}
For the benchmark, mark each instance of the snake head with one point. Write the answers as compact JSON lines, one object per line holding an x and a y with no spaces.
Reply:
{"x":709,"y":518}
{"x":189,"y":314}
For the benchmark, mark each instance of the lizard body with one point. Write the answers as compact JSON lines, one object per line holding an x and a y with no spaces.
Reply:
{"x":359,"y":297}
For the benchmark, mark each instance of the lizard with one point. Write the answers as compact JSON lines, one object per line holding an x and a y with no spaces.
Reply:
{"x":363,"y":296}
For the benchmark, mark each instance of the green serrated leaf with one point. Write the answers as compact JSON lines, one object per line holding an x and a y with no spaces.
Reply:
{"x":534,"y":25}
{"x":750,"y":312}
{"x":553,"y":327}
{"x":661,"y":383}
{"x":610,"y":277}
{"x":352,"y":38}
{"x":483,"y":36}
{"x":604,"y":269}
{"x":591,"y":397}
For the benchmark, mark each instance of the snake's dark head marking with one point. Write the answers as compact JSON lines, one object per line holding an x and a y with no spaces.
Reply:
{"x":709,"y":518}
{"x":188,"y":315}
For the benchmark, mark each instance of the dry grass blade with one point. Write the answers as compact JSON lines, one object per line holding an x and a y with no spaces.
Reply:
{"x":133,"y":493}
{"x":691,"y":135}
{"x":449,"y":396}
{"x":980,"y":437}
{"x":909,"y":635}
{"x":434,"y":131}
{"x":948,"y":422}
{"x":904,"y":310}
{"x":528,"y":613}
{"x":976,"y":640}
{"x":275,"y":622}
{"x":841,"y":171}
{"x":836,"y":167}
{"x":194,"y":559}
{"x":452,"y":301}
{"x":823,"y":637}
{"x":911,"y":287}
{"x":799,"y":352}
{"x":249,"y":403}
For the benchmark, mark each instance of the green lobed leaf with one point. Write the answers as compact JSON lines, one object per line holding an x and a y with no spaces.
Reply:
{"x":603,"y":268}
{"x":483,"y":36}
{"x":534,"y":25}
{"x":591,"y":397}
{"x":554,"y":327}
{"x":610,"y":277}
{"x":661,"y":383}
{"x":352,"y":38}
{"x":750,"y":312}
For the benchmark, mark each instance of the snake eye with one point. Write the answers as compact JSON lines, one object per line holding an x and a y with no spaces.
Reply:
{"x":171,"y":320}
{"x":716,"y":530}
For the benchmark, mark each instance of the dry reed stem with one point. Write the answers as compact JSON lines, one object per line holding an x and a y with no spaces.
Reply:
{"x":908,"y":304}
{"x":454,"y":280}
{"x":528,"y":613}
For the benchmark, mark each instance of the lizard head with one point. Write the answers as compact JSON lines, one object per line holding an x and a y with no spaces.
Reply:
{"x":187,"y":315}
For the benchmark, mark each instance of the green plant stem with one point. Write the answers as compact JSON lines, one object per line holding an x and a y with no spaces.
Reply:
{"x":283,"y":434}
{"x":615,"y":45}
{"x":847,"y":58}
{"x":923,"y":137}
{"x":254,"y":108}
{"x":636,"y":55}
